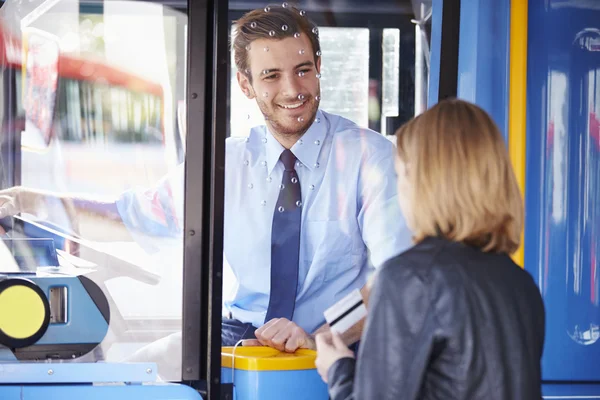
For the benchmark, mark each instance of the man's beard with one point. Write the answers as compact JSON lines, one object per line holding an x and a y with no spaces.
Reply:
{"x":288,"y":128}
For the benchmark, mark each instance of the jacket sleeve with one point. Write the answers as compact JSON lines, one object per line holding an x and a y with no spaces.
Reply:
{"x":398,"y":339}
{"x":341,"y":379}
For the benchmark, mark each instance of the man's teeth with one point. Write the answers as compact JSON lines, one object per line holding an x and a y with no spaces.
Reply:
{"x":291,"y":106}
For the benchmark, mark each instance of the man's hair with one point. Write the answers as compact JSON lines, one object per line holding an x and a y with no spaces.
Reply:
{"x":273,"y":22}
{"x":462,"y":183}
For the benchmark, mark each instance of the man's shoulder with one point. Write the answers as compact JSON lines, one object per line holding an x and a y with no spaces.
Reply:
{"x":236,"y":146}
{"x":350,"y":135}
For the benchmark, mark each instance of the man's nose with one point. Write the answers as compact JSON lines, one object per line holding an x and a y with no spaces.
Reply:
{"x":292,"y":86}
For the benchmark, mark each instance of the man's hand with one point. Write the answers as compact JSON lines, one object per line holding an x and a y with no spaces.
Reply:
{"x":20,"y":200}
{"x":283,"y":335}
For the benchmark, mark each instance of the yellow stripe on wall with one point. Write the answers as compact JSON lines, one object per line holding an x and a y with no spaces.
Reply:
{"x":517,"y":99}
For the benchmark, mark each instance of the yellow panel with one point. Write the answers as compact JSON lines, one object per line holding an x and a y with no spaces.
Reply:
{"x":517,"y":99}
{"x":257,"y":358}
{"x":22,"y":312}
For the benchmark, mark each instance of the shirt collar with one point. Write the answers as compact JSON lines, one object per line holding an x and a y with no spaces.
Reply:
{"x":306,"y":149}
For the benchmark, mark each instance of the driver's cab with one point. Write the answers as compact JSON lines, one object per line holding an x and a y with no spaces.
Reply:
{"x":89,"y":117}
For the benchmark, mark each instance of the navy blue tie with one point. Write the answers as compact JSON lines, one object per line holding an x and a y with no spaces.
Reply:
{"x":285,"y":243}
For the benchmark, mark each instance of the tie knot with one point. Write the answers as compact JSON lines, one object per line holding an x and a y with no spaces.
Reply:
{"x":288,"y":159}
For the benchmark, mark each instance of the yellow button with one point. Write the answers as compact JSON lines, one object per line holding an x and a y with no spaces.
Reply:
{"x":22,"y":312}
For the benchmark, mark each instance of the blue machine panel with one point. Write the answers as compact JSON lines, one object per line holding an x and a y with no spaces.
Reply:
{"x":85,"y":322}
{"x":562,"y":229}
{"x":89,"y":392}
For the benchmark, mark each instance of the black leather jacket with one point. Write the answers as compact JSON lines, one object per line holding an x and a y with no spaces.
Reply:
{"x":447,"y":321}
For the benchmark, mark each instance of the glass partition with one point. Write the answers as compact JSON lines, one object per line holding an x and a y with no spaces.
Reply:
{"x":92,"y":166}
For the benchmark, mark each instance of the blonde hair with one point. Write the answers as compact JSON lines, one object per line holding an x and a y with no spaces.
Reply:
{"x":462,"y":185}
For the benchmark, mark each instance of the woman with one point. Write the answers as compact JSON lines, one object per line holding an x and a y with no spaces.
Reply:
{"x":453,"y":317}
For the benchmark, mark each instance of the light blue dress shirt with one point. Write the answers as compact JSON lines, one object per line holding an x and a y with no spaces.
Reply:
{"x":351,"y":219}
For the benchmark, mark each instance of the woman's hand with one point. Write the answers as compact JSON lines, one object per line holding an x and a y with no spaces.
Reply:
{"x":330,"y":348}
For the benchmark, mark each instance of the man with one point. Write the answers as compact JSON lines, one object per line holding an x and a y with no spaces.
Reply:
{"x":309,"y":196}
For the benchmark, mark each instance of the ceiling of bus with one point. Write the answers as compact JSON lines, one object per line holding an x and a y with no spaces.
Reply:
{"x":345,"y":6}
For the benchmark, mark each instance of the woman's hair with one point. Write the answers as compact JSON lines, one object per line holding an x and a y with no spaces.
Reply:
{"x":274,"y":22}
{"x":462,"y":185}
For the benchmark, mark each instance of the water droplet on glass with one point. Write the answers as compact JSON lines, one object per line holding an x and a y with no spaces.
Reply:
{"x":300,"y":142}
{"x":263,"y":203}
{"x":319,"y":53}
{"x":250,"y":186}
{"x":317,"y":142}
{"x":281,"y":187}
{"x":297,"y":35}
{"x":298,"y":203}
{"x":317,"y":165}
{"x":248,"y":116}
{"x":301,"y":74}
{"x":281,"y":209}
{"x":271,"y":33}
{"x":284,"y":28}
{"x":312,"y":187}
{"x":298,"y":164}
{"x":264,"y":140}
{"x":265,"y":71}
{"x":284,"y":5}
{"x":318,"y":120}
{"x":267,"y":9}
{"x":315,"y":30}
{"x":269,"y":179}
{"x":266,"y":94}
{"x":247,"y":139}
{"x":266,"y":49}
{"x":302,"y":13}
{"x":300,"y":119}
{"x":318,"y":76}
{"x":294,"y":180}
{"x":248,"y":48}
{"x":317,"y":97}
{"x":301,"y":96}
{"x":263,"y":163}
{"x":301,"y":51}
{"x":247,"y":71}
{"x":253,"y":24}
{"x":246,"y":163}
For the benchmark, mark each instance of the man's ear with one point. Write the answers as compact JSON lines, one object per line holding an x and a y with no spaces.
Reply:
{"x":245,"y":85}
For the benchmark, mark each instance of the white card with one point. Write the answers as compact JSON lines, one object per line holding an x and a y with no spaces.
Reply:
{"x":346,"y":312}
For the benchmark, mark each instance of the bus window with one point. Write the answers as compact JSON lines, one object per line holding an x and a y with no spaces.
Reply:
{"x":105,"y":185}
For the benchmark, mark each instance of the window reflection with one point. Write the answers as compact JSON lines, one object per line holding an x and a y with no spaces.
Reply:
{"x":113,"y":140}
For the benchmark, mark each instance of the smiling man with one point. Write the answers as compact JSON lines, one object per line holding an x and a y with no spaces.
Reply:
{"x":310,"y":197}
